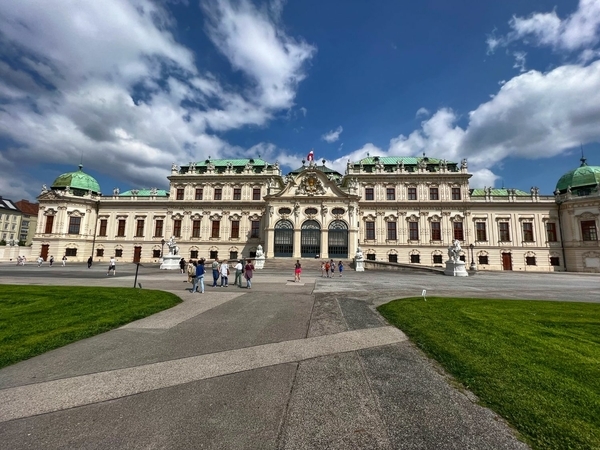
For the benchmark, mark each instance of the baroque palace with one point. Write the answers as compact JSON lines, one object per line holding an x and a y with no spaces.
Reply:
{"x":397,"y":209}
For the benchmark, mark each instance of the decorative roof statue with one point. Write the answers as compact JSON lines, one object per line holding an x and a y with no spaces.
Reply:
{"x":174,"y":167}
{"x":463,"y":164}
{"x":116,"y":191}
{"x":44,"y":189}
{"x":153,"y":191}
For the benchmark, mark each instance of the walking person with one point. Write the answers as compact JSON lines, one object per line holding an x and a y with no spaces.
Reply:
{"x":191,"y":271}
{"x":341,"y":267}
{"x":239,"y":270}
{"x":90,"y":260}
{"x":182,"y":265}
{"x":224,"y":274}
{"x":112,"y":266}
{"x":40,"y":261}
{"x":64,"y":260}
{"x":215,"y":271}
{"x":332,"y":268}
{"x":297,"y":271}
{"x":327,"y":269}
{"x":199,"y":278}
{"x":248,"y":271}
{"x":51,"y":260}
{"x":322,"y":268}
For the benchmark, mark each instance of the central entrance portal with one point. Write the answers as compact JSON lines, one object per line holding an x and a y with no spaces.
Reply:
{"x":284,"y":239}
{"x":310,"y":242}
{"x":338,"y":240}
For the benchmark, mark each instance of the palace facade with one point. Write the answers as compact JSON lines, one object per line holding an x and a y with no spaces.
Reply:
{"x":397,"y":209}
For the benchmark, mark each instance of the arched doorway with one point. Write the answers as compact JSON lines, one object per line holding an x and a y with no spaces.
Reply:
{"x":284,"y":238}
{"x":310,"y":241}
{"x":338,"y":239}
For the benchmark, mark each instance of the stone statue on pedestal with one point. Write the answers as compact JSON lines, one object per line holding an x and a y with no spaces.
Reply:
{"x":359,"y":260}
{"x":454,"y":266}
{"x":259,"y":262}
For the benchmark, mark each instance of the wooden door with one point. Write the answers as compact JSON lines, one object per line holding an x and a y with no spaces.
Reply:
{"x":45,"y":249}
{"x":506,"y":261}
{"x":137,"y":254}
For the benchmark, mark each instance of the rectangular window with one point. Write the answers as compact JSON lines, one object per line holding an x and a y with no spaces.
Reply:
{"x":504,"y":231}
{"x":218,"y":193}
{"x":235,"y":229}
{"x":255,"y":229}
{"x":49,"y":223}
{"x":369,"y":194}
{"x":438,"y":259}
{"x":393,"y":258}
{"x":118,"y":253}
{"x":70,"y":252}
{"x":156,"y":253}
{"x":551,"y":231}
{"x":233,"y":255}
{"x":434,"y":193}
{"x":370,"y":231}
{"x":199,"y":192}
{"x":436,"y":231}
{"x":237,"y":193}
{"x":530,"y":260}
{"x":213,"y":254}
{"x":74,"y":225}
{"x":415,"y":259}
{"x":139,"y":230}
{"x":196,"y":228}
{"x":256,"y":194}
{"x":481,"y":231}
{"x":455,"y":193}
{"x":177,"y":227}
{"x":103,"y":227}
{"x":194,"y":254}
{"x":100,"y":252}
{"x":391,"y":231}
{"x":391,"y":193}
{"x":483,"y":259}
{"x":179,"y":194}
{"x":554,"y":261}
{"x":458,"y":231}
{"x":413,"y":231}
{"x":588,"y":230}
{"x":121,"y":228}
{"x":158,"y":229}
{"x":412,"y":193}
{"x":216,"y":225}
{"x":527,"y":232}
{"x":371,"y":256}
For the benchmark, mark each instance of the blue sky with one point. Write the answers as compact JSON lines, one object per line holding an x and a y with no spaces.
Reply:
{"x":130,"y":86}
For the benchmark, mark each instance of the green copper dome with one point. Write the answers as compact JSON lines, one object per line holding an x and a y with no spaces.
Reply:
{"x":583,"y":176}
{"x":77,"y":180}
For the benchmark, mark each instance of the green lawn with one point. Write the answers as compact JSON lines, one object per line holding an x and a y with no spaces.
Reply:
{"x":536,"y":363}
{"x":35,"y":319}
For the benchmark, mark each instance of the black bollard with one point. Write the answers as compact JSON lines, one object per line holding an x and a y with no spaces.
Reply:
{"x":136,"y":273}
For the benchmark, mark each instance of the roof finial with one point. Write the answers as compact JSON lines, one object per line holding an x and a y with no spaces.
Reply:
{"x":583,"y":160}
{"x":502,"y":182}
{"x":81,"y":162}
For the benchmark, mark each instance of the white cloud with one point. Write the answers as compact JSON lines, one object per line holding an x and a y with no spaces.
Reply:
{"x":332,"y":135}
{"x":304,"y":111}
{"x":108,"y":80}
{"x":580,"y":30}
{"x":520,"y":58}
{"x":422,"y":112}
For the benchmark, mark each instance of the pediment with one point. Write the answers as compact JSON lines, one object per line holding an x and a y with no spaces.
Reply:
{"x":310,"y":183}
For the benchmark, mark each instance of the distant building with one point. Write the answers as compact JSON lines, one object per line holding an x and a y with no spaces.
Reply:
{"x":28,"y":221}
{"x":10,"y":221}
{"x":397,"y":209}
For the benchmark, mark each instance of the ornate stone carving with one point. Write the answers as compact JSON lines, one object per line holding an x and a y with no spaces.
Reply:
{"x":310,"y":185}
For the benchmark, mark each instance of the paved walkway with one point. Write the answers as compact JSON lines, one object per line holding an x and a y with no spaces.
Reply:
{"x":284,"y":365}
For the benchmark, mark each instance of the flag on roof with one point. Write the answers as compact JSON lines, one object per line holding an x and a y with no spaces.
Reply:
{"x":311,"y":156}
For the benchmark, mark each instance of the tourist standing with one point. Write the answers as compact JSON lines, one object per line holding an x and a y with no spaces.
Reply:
{"x":182,"y":265}
{"x":64,"y":260}
{"x":51,"y":260}
{"x":112,"y":266}
{"x":322,"y":268}
{"x":327,"y":269}
{"x":199,"y":279}
{"x":191,"y":271}
{"x":341,"y":267}
{"x":297,"y":271}
{"x":215,"y":271}
{"x":332,"y":267}
{"x":248,"y":269}
{"x":90,"y":260}
{"x":224,"y":274}
{"x":239,"y":270}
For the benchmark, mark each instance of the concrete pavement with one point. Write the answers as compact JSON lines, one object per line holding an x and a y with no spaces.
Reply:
{"x":283,"y":365}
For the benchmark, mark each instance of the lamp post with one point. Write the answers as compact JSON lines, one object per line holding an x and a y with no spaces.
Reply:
{"x":473,"y":265}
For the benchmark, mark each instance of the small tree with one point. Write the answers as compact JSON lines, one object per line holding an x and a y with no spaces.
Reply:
{"x":21,"y":243}
{"x":2,"y":242}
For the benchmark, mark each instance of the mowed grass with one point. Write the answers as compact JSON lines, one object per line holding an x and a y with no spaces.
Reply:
{"x":536,"y":363}
{"x":35,"y":319}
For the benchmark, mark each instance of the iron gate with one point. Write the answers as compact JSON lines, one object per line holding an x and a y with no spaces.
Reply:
{"x":310,"y":239}
{"x":284,"y":238}
{"x":338,"y":240}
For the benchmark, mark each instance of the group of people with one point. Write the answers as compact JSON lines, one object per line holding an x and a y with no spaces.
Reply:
{"x":40,"y":260}
{"x":328,"y":268}
{"x":220,"y":270}
{"x":21,"y":260}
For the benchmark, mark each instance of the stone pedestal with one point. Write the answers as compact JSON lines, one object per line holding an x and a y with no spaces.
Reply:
{"x":170,"y":262}
{"x":456,"y":269}
{"x":359,"y":265}
{"x":259,"y":263}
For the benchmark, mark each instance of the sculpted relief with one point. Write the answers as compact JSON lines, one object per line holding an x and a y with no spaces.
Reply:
{"x":310,"y":185}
